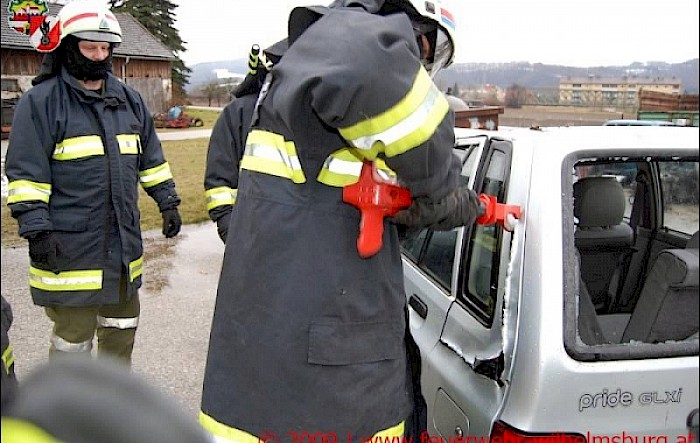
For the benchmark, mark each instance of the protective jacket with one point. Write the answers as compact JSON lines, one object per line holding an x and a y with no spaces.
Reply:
{"x":306,"y":335}
{"x":225,"y":150}
{"x":74,"y":164}
{"x":228,"y":137}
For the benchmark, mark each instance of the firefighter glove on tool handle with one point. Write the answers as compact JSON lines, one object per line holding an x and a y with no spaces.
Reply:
{"x":461,"y":207}
{"x":171,"y":222}
{"x":44,"y":249}
{"x":222,"y":226}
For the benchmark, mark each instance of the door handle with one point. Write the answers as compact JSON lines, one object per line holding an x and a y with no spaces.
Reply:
{"x":418,"y":305}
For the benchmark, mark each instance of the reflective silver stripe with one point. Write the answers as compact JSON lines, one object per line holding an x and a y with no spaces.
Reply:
{"x":66,"y":346}
{"x":119,"y":323}
{"x":78,"y":147}
{"x":270,"y":153}
{"x":403,"y":128}
{"x":129,"y":143}
{"x":135,"y":269}
{"x":65,"y":281}
{"x":223,"y":195}
{"x":154,"y":176}
{"x":27,"y":190}
{"x":406,"y":125}
{"x":273,"y":154}
{"x":343,"y":167}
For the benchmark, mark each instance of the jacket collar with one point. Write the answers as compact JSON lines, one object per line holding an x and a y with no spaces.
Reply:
{"x":112,"y":88}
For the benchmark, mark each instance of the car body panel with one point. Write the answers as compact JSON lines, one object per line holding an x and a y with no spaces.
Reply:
{"x":541,"y":386}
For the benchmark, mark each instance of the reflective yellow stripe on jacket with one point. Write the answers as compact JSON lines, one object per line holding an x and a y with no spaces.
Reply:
{"x":343,"y":168}
{"x":85,"y":280}
{"x":78,"y":147}
{"x":15,"y":430}
{"x":222,"y":195}
{"x":135,"y":269}
{"x":155,"y":176}
{"x":89,"y":145}
{"x":19,"y":191}
{"x":406,"y":125}
{"x":236,"y":435}
{"x":129,"y":143}
{"x":269,"y":153}
{"x":8,"y":359}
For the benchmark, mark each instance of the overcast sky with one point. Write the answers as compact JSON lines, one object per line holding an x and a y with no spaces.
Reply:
{"x":567,"y":32}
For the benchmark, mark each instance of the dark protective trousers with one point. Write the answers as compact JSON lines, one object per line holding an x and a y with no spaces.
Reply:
{"x":74,"y":328}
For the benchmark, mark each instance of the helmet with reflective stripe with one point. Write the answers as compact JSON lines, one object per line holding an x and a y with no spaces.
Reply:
{"x":89,"y":20}
{"x":434,"y":19}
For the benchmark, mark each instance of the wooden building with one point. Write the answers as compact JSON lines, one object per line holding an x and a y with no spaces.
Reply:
{"x":141,"y":61}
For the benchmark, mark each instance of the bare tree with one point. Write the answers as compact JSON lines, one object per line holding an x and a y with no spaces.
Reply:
{"x":213,"y":90}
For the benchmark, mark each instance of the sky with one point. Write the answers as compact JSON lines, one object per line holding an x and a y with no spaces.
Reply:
{"x":582,"y":33}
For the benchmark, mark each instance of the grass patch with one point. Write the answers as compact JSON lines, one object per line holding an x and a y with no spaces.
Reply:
{"x":187,"y":159}
{"x":208,"y":116}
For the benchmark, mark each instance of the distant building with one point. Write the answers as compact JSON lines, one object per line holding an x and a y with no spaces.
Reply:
{"x":614,"y":92}
{"x":141,"y":61}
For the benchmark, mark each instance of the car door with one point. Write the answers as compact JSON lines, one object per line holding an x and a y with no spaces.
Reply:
{"x":431,"y":264}
{"x":465,"y":365}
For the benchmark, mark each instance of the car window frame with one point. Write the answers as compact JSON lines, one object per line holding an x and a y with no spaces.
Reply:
{"x":463,"y":298}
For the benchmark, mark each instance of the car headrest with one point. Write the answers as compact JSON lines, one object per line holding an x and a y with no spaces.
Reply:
{"x":598,"y":202}
{"x":681,"y":267}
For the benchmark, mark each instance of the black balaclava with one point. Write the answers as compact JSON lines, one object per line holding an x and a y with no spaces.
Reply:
{"x":82,"y":67}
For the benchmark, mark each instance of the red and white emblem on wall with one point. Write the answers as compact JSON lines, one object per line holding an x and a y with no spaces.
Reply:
{"x":44,"y":33}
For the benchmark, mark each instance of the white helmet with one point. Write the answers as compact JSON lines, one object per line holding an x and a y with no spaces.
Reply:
{"x":89,"y":20}
{"x":443,"y":41}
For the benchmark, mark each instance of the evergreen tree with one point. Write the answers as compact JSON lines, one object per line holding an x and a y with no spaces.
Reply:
{"x":158,"y":16}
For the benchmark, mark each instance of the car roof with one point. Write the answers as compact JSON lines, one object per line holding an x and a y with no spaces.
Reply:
{"x":566,"y":139}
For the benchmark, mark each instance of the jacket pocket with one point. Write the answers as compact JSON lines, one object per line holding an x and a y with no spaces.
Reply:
{"x":69,"y":223}
{"x":354,"y":343}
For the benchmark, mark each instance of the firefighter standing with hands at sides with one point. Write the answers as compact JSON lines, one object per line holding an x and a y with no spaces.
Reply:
{"x":81,"y":145}
{"x":307,"y":335}
{"x":228,"y":137}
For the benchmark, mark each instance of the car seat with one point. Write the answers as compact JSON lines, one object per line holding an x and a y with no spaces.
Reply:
{"x":602,"y":238}
{"x":668,"y":304}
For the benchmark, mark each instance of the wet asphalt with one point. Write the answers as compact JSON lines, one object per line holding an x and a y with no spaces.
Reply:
{"x":177,"y":302}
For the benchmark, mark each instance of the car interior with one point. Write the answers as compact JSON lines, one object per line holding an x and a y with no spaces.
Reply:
{"x":636,"y":238}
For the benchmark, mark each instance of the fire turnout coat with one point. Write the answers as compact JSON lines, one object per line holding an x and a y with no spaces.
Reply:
{"x":307,"y":336}
{"x":74,"y":164}
{"x":225,"y":150}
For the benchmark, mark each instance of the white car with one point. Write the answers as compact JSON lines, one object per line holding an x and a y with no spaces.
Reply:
{"x":581,"y":323}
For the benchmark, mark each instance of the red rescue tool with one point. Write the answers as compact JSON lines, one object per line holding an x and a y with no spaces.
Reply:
{"x":377,"y":197}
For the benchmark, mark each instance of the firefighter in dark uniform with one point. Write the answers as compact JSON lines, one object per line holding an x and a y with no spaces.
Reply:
{"x":228,"y":137}
{"x":308,"y":337}
{"x":81,"y":144}
{"x":8,"y":379}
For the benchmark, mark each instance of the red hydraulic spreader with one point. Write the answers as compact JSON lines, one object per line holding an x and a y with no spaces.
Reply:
{"x":376,"y":198}
{"x":496,"y":212}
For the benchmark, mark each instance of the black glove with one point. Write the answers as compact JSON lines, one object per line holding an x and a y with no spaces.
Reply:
{"x":461,"y":207}
{"x":44,"y":249}
{"x":171,"y":222}
{"x":222,"y":226}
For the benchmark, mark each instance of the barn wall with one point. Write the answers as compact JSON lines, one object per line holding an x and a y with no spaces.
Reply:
{"x":151,"y":78}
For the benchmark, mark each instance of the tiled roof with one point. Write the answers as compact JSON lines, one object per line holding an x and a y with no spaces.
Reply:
{"x":137,"y":42}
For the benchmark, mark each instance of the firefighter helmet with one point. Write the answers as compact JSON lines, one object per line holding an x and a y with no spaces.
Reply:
{"x":89,"y":20}
{"x":433,"y":19}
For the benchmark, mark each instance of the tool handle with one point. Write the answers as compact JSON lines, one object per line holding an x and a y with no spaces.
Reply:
{"x":369,"y":241}
{"x":496,"y":212}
